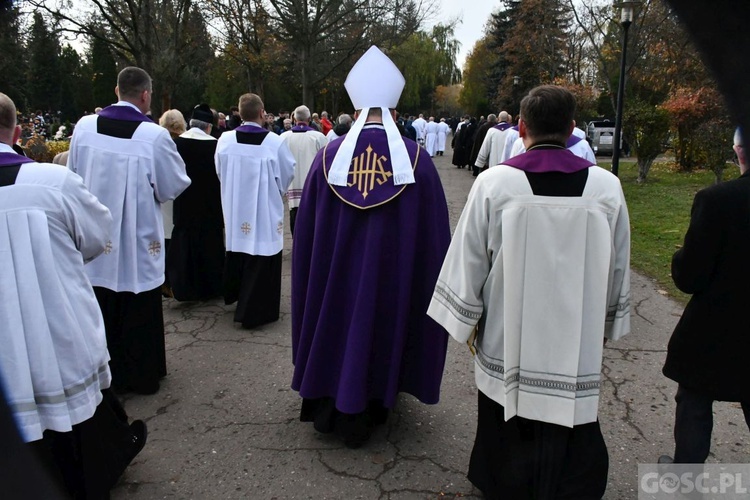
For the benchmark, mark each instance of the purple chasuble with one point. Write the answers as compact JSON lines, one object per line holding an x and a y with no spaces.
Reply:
{"x":502,"y":126}
{"x":370,"y":181}
{"x":124,"y":113}
{"x":555,"y":159}
{"x":362,"y":280}
{"x":8,"y":159}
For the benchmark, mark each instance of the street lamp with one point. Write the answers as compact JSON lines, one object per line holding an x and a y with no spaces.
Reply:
{"x":626,"y":19}
{"x":516,"y":84}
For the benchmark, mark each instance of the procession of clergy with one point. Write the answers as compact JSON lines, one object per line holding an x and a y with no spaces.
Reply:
{"x":378,"y":284}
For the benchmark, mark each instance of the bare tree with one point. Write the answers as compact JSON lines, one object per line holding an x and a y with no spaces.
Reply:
{"x":325,"y":35}
{"x":150,"y":34}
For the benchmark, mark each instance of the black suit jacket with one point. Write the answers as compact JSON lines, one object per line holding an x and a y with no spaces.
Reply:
{"x":709,"y":351}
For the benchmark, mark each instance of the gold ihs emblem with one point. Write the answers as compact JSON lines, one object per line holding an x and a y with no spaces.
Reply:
{"x":367,"y":169}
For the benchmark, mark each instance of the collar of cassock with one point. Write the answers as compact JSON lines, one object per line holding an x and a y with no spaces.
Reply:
{"x":400,"y":161}
{"x":548,"y":157}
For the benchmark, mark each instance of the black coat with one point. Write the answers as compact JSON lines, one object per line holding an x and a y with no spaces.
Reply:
{"x":709,"y":351}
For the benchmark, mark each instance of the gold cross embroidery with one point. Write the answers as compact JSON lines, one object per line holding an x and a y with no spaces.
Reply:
{"x":154,"y":248}
{"x":245,"y":227}
{"x":108,"y":248}
{"x":366,"y":169}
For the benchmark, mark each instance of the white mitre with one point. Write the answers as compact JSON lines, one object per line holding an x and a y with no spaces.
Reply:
{"x":373,"y":82}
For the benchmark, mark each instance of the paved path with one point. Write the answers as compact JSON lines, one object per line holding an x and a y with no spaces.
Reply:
{"x":225,"y":423}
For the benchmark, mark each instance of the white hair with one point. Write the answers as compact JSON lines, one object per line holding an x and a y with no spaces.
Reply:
{"x":302,"y":114}
{"x":200,"y":124}
{"x":345,"y":119}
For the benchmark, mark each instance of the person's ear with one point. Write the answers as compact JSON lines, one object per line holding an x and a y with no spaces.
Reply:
{"x":16,"y":134}
{"x":117,"y":92}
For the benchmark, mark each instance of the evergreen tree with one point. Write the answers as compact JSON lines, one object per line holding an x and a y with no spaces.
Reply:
{"x":12,"y":65}
{"x":535,"y":49}
{"x":43,"y":71}
{"x":498,"y":30}
{"x":103,"y":73}
{"x":71,"y":80}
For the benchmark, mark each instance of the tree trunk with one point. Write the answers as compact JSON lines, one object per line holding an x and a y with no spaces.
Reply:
{"x":308,"y":99}
{"x":644,"y":165}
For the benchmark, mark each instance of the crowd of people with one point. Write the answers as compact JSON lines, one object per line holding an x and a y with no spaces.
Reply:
{"x":536,"y":276}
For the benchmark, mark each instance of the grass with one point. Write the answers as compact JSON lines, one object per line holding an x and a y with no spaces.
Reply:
{"x":660,"y":214}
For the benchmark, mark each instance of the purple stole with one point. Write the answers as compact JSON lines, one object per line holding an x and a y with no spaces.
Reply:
{"x":572,"y":141}
{"x":502,"y":126}
{"x":555,"y":159}
{"x":370,"y":181}
{"x":124,"y":113}
{"x":13,"y":159}
{"x":251,"y":129}
{"x":302,"y":128}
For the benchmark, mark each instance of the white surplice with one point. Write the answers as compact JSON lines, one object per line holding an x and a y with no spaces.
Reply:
{"x":254,"y":179}
{"x":304,"y":147}
{"x":493,"y":151}
{"x":443,"y":131}
{"x":544,"y":279}
{"x":431,"y":133}
{"x":132,"y":177}
{"x":53,"y":360}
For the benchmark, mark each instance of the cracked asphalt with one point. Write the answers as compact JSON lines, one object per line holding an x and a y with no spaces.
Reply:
{"x":225,"y":423}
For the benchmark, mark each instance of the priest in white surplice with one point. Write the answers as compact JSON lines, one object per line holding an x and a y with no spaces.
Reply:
{"x":132,"y":165}
{"x":53,"y":360}
{"x":539,"y":268}
{"x":304,"y":142}
{"x":255,"y":168}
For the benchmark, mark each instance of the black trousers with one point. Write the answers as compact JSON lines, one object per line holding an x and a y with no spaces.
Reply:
{"x":254,"y":282}
{"x":524,"y":459}
{"x":134,"y":323}
{"x":88,"y":461}
{"x":292,"y":219}
{"x":694,"y":422}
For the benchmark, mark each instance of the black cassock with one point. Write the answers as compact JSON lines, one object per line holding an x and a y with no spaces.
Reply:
{"x":195,"y":259}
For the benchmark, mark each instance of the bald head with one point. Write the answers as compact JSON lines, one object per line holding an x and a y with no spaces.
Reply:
{"x":504,"y":117}
{"x":7,"y":120}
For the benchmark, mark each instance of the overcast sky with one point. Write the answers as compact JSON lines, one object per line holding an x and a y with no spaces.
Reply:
{"x":473,"y":15}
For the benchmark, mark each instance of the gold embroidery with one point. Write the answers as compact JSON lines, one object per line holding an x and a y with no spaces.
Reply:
{"x":366,"y":169}
{"x":154,"y":248}
{"x":108,"y":248}
{"x":245,"y":227}
{"x":352,"y":204}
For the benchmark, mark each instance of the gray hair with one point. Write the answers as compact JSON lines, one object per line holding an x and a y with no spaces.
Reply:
{"x":492,"y":118}
{"x":302,"y":113}
{"x":345,"y":119}
{"x":200,"y":124}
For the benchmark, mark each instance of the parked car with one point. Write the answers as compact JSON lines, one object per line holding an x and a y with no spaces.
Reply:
{"x":600,"y":134}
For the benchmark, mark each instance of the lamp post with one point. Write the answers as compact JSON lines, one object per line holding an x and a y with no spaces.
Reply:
{"x":626,"y":19}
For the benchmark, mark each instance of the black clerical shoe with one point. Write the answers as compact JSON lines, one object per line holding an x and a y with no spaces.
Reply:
{"x":665,"y":459}
{"x":140,"y":435}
